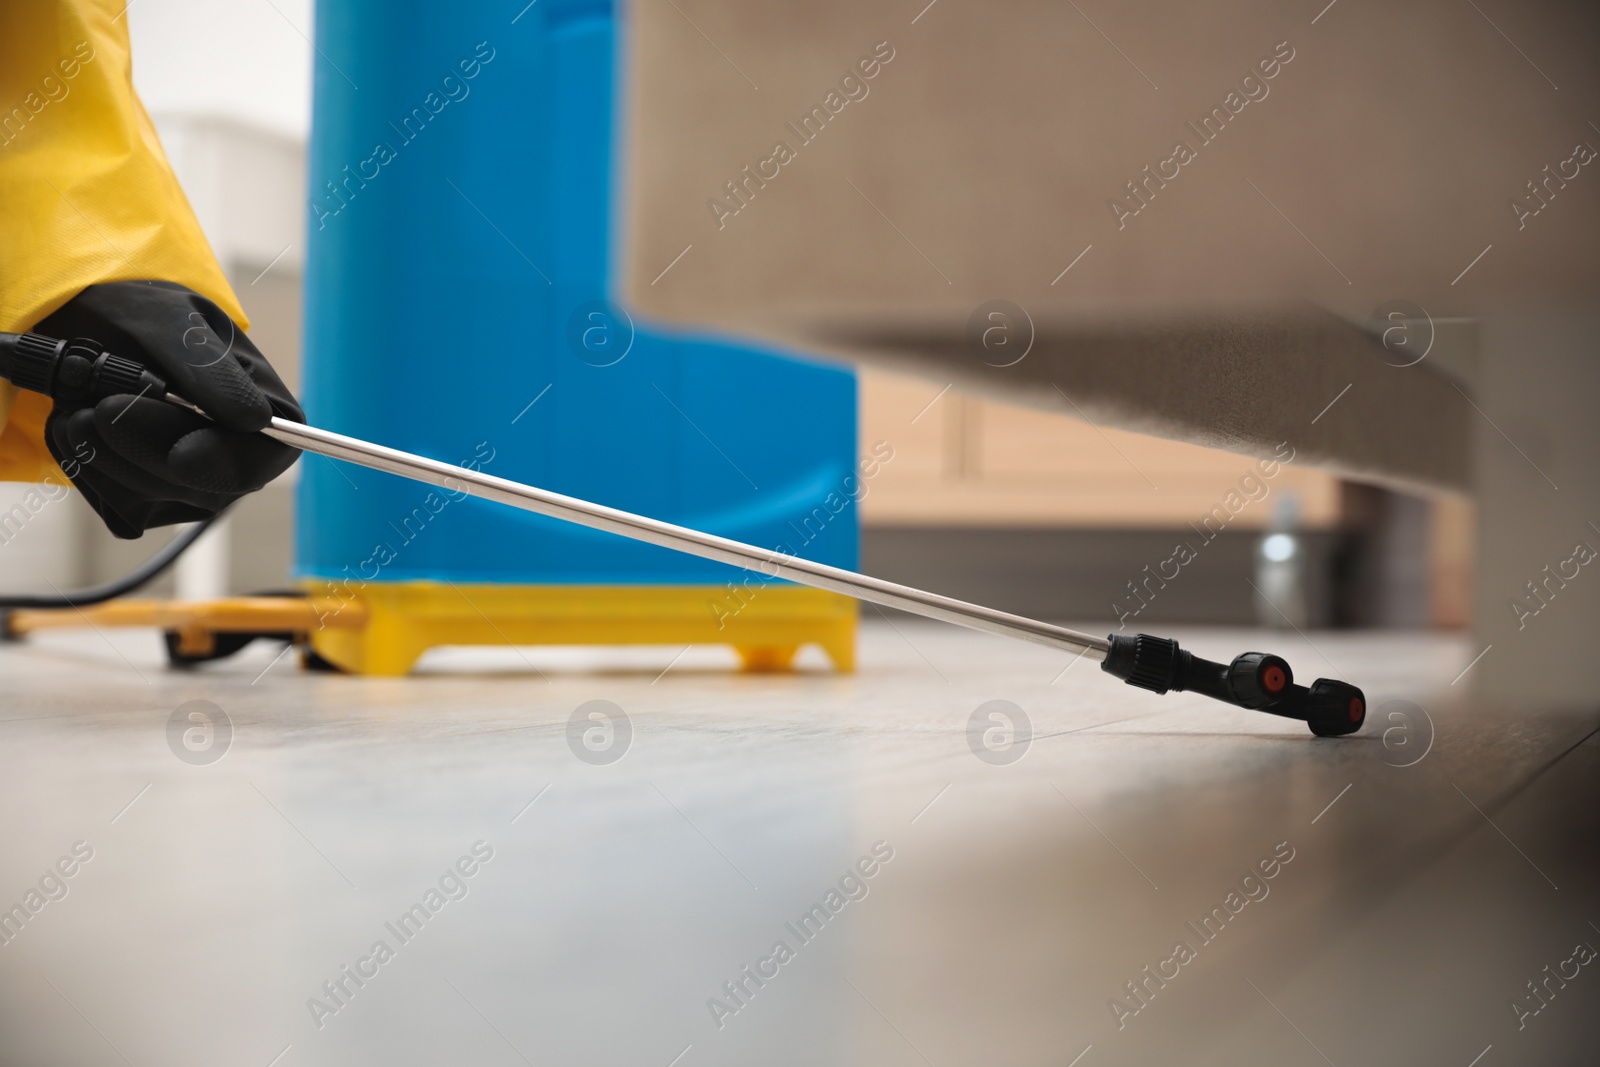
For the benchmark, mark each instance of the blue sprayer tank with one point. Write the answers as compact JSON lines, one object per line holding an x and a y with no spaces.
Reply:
{"x":460,"y":304}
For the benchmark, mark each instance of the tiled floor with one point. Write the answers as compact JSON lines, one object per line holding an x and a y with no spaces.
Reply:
{"x":1420,"y":878}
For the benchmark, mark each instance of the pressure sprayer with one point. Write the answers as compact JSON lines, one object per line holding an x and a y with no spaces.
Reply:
{"x":83,"y":371}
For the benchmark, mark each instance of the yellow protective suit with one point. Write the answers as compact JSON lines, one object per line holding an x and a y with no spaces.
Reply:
{"x":86,"y":194}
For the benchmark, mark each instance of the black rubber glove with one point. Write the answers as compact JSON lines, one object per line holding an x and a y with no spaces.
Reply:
{"x":141,"y":462}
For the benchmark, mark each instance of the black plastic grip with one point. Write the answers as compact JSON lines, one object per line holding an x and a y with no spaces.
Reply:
{"x":1159,"y":665}
{"x":80,"y":371}
{"x":29,"y":361}
{"x":118,"y":375}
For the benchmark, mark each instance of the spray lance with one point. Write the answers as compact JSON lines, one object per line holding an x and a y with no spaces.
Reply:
{"x":82,"y":371}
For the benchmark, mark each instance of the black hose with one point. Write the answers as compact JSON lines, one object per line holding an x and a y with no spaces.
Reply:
{"x":99,"y":594}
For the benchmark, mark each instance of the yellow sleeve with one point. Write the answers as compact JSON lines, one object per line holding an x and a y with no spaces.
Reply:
{"x":86,"y":194}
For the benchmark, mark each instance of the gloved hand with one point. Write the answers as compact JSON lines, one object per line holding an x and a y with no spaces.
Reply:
{"x":141,"y":462}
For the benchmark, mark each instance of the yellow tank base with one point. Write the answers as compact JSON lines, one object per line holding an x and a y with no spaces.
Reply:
{"x":402,"y":620}
{"x":198,"y":630}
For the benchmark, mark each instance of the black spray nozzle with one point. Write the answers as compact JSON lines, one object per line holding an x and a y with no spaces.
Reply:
{"x":80,"y":370}
{"x":1256,"y":680}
